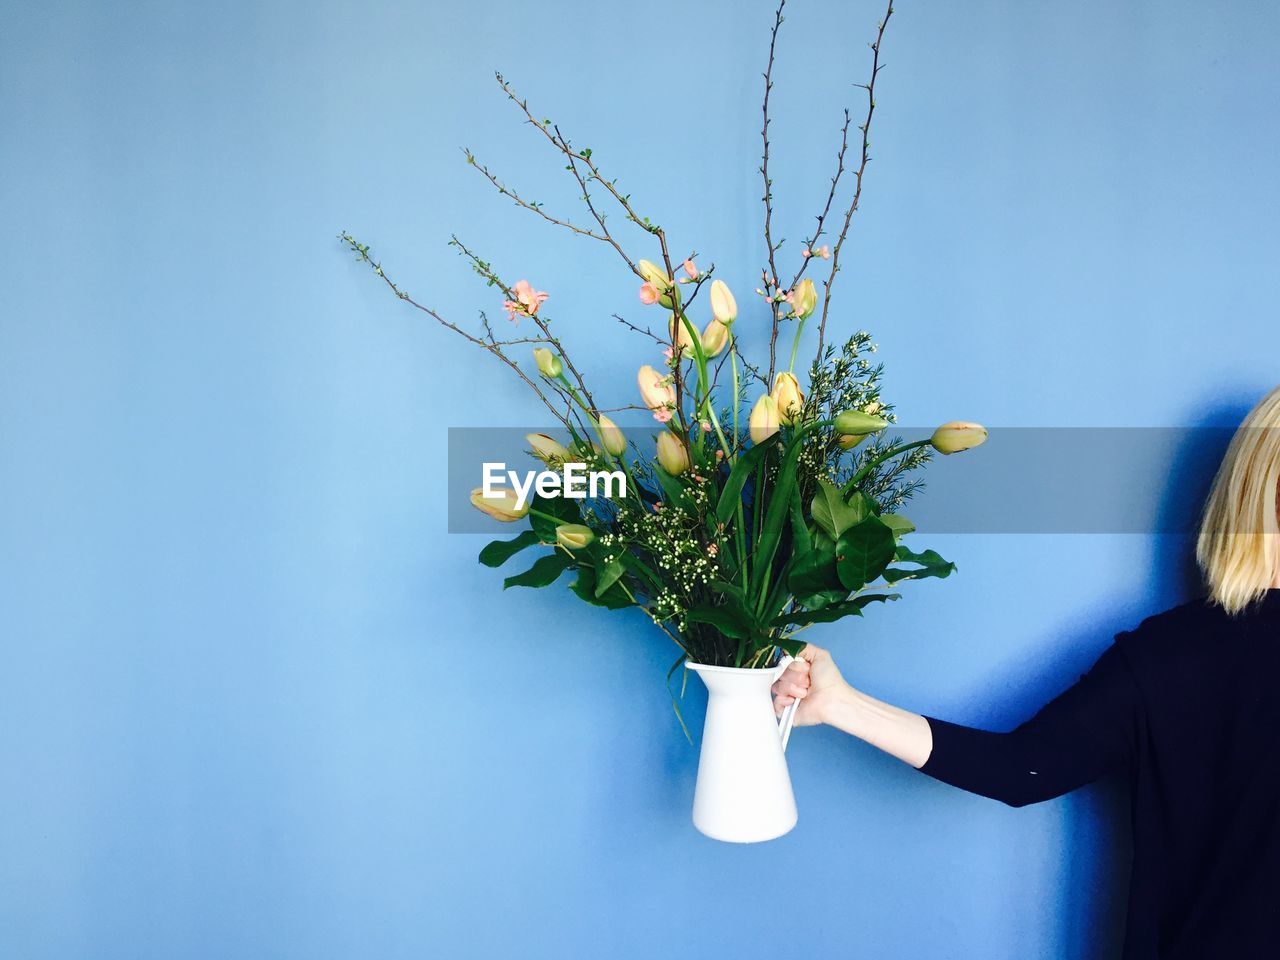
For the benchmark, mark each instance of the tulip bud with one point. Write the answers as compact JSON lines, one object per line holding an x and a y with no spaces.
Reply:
{"x":847,"y":441}
{"x":549,"y":364}
{"x":804,"y":298}
{"x":574,"y":536}
{"x":501,"y":507}
{"x":714,"y":338}
{"x":672,"y":454}
{"x":546,"y":449}
{"x":763,"y":422}
{"x":658,"y":395}
{"x":723,"y":307}
{"x":855,"y":423}
{"x":680,"y":336}
{"x":957,"y":435}
{"x":653,"y":274}
{"x":611,"y":436}
{"x":786,"y":394}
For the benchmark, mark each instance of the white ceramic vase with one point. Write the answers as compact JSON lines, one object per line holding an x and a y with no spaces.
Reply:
{"x":744,"y":791}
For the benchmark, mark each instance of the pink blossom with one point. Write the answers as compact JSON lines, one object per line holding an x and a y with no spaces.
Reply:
{"x":648,"y":293}
{"x":668,"y":353}
{"x":806,"y":253}
{"x":824,"y":252}
{"x":706,"y":426}
{"x":691,"y":269}
{"x":526,"y":303}
{"x":662,"y":414}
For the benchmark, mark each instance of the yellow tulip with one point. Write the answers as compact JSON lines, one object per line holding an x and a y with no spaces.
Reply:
{"x":681,"y":336}
{"x":654,"y":274}
{"x":549,"y":364}
{"x":656,"y":390}
{"x":847,"y":441}
{"x":500,"y":507}
{"x":547,"y":449}
{"x":574,"y":536}
{"x":723,"y":307}
{"x":855,"y":423}
{"x":763,"y":422}
{"x":804,"y":298}
{"x":786,"y":394}
{"x":714,"y":338}
{"x":958,"y":435}
{"x":672,"y":454}
{"x":611,"y":436}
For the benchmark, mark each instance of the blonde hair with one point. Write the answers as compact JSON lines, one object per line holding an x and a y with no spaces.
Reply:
{"x":1239,"y":544}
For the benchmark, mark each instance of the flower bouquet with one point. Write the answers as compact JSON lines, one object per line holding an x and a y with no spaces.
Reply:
{"x":770,"y":498}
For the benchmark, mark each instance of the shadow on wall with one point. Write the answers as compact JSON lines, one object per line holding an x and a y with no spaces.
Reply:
{"x":1095,"y":883}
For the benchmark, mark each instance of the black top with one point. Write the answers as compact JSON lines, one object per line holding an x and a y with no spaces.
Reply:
{"x":1189,"y":705}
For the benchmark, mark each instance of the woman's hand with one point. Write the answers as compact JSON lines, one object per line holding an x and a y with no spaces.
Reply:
{"x":812,"y":678}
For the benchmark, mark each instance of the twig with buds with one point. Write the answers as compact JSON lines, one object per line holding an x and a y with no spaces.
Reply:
{"x":486,"y":271}
{"x":487,"y":343}
{"x":772,"y":273}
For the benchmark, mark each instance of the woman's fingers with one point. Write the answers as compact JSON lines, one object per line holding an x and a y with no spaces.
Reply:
{"x":781,"y":703}
{"x":794,"y":688}
{"x":791,"y":684}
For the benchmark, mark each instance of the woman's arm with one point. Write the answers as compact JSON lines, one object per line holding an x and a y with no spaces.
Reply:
{"x":1090,"y":729}
{"x":825,"y":697}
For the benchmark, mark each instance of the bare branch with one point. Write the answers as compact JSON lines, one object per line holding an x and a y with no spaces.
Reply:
{"x":870,"y":87}
{"x":826,"y":209}
{"x":771,"y":278}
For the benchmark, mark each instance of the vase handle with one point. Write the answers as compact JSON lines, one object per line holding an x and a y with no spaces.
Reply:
{"x":788,"y":717}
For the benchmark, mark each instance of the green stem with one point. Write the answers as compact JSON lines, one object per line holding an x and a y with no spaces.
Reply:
{"x":795,"y":345}
{"x":632,"y":486}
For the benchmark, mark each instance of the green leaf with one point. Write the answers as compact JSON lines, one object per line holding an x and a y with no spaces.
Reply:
{"x":787,"y":645}
{"x":863,"y":552}
{"x":931,"y":563}
{"x":815,"y":572}
{"x":614,"y":598}
{"x":849,"y":608}
{"x":562,"y":509}
{"x":642,"y":572}
{"x":607,"y":575}
{"x":896,"y":522}
{"x":776,"y":512}
{"x":801,"y":541}
{"x":546,"y":570}
{"x":731,"y":494}
{"x":731,"y":590}
{"x":499,"y":552}
{"x":833,"y":515}
{"x":824,"y":598}
{"x":675,"y":704}
{"x":729,"y":621}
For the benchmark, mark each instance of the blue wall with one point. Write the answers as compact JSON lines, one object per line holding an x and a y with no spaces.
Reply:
{"x":255,"y":702}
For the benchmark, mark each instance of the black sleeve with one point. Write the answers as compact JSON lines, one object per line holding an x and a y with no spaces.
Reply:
{"x":1087,"y":731}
